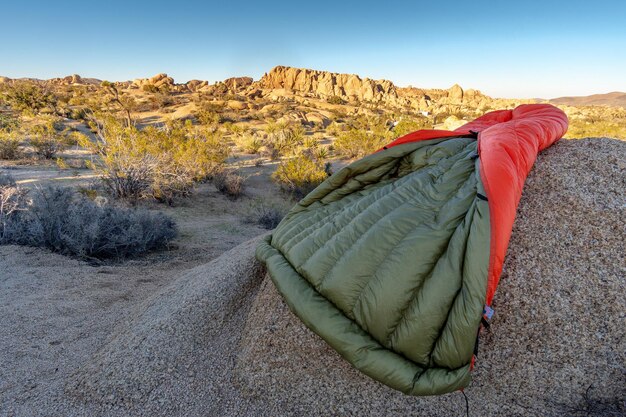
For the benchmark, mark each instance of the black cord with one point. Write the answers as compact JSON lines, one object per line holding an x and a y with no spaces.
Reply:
{"x":466,"y":403}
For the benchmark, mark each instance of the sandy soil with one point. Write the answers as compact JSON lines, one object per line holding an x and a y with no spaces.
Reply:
{"x":186,"y":335}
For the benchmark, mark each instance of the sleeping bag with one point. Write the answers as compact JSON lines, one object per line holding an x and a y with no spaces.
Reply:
{"x":394,"y":259}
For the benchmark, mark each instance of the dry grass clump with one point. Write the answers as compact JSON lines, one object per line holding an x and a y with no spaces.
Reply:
{"x":250,"y":143}
{"x":229,"y":183}
{"x":71,"y":224}
{"x":267,"y":214}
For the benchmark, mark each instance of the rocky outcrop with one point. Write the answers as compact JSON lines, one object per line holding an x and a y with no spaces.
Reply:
{"x":195,"y":85}
{"x":158,"y":81}
{"x":456,"y":93}
{"x":352,"y":88}
{"x":220,"y":340}
{"x":328,"y":84}
{"x":238,"y":83}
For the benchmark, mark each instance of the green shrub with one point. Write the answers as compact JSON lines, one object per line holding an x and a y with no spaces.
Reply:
{"x":300,"y":175}
{"x":285,"y":139}
{"x":408,"y":125}
{"x":8,"y":123}
{"x":208,"y":114}
{"x":28,"y":97}
{"x":9,"y":146}
{"x":358,"y":143}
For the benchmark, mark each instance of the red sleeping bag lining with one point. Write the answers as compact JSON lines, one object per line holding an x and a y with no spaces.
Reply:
{"x":508,"y":144}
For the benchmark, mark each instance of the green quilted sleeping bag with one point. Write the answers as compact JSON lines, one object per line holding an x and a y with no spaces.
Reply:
{"x":388,"y":261}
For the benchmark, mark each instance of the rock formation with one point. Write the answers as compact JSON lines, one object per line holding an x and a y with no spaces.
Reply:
{"x":456,"y":93}
{"x":238,"y":83}
{"x":352,"y":89}
{"x":159,"y":80}
{"x":327,"y":84}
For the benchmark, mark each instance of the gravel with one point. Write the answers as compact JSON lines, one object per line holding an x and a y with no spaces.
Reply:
{"x":219,"y":340}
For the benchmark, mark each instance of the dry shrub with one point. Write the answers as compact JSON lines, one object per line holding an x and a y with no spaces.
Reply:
{"x":161,"y":163}
{"x":69,"y":223}
{"x":46,"y":138}
{"x":208,"y":114}
{"x":229,"y":183}
{"x":300,"y":175}
{"x":12,"y":200}
{"x":266,"y":214}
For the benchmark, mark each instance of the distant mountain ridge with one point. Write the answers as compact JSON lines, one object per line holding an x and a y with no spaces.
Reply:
{"x":613,"y":99}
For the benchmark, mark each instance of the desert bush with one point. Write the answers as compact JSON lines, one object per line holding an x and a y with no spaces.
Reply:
{"x":273,"y":127}
{"x":160,"y":100}
{"x":46,"y":138}
{"x":408,"y":125}
{"x":249,"y":143}
{"x":266,"y":214}
{"x":300,"y":175}
{"x":284,"y":139}
{"x":336,"y":100}
{"x":229,"y":183}
{"x":12,"y":201}
{"x":150,"y":88}
{"x":115,"y":100}
{"x":311,"y":142}
{"x":335,"y":129}
{"x":236,"y":129}
{"x":9,"y":145}
{"x":9,"y":123}
{"x":359,"y":142}
{"x":67,"y":222}
{"x":588,"y":127}
{"x":320,"y":153}
{"x":208,"y":114}
{"x":28,"y":97}
{"x":162,"y":163}
{"x":77,"y":114}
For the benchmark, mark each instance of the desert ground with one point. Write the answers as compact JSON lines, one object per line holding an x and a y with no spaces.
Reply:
{"x":196,"y":328}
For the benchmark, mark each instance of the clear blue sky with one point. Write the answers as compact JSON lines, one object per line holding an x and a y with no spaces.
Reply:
{"x":506,"y":49}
